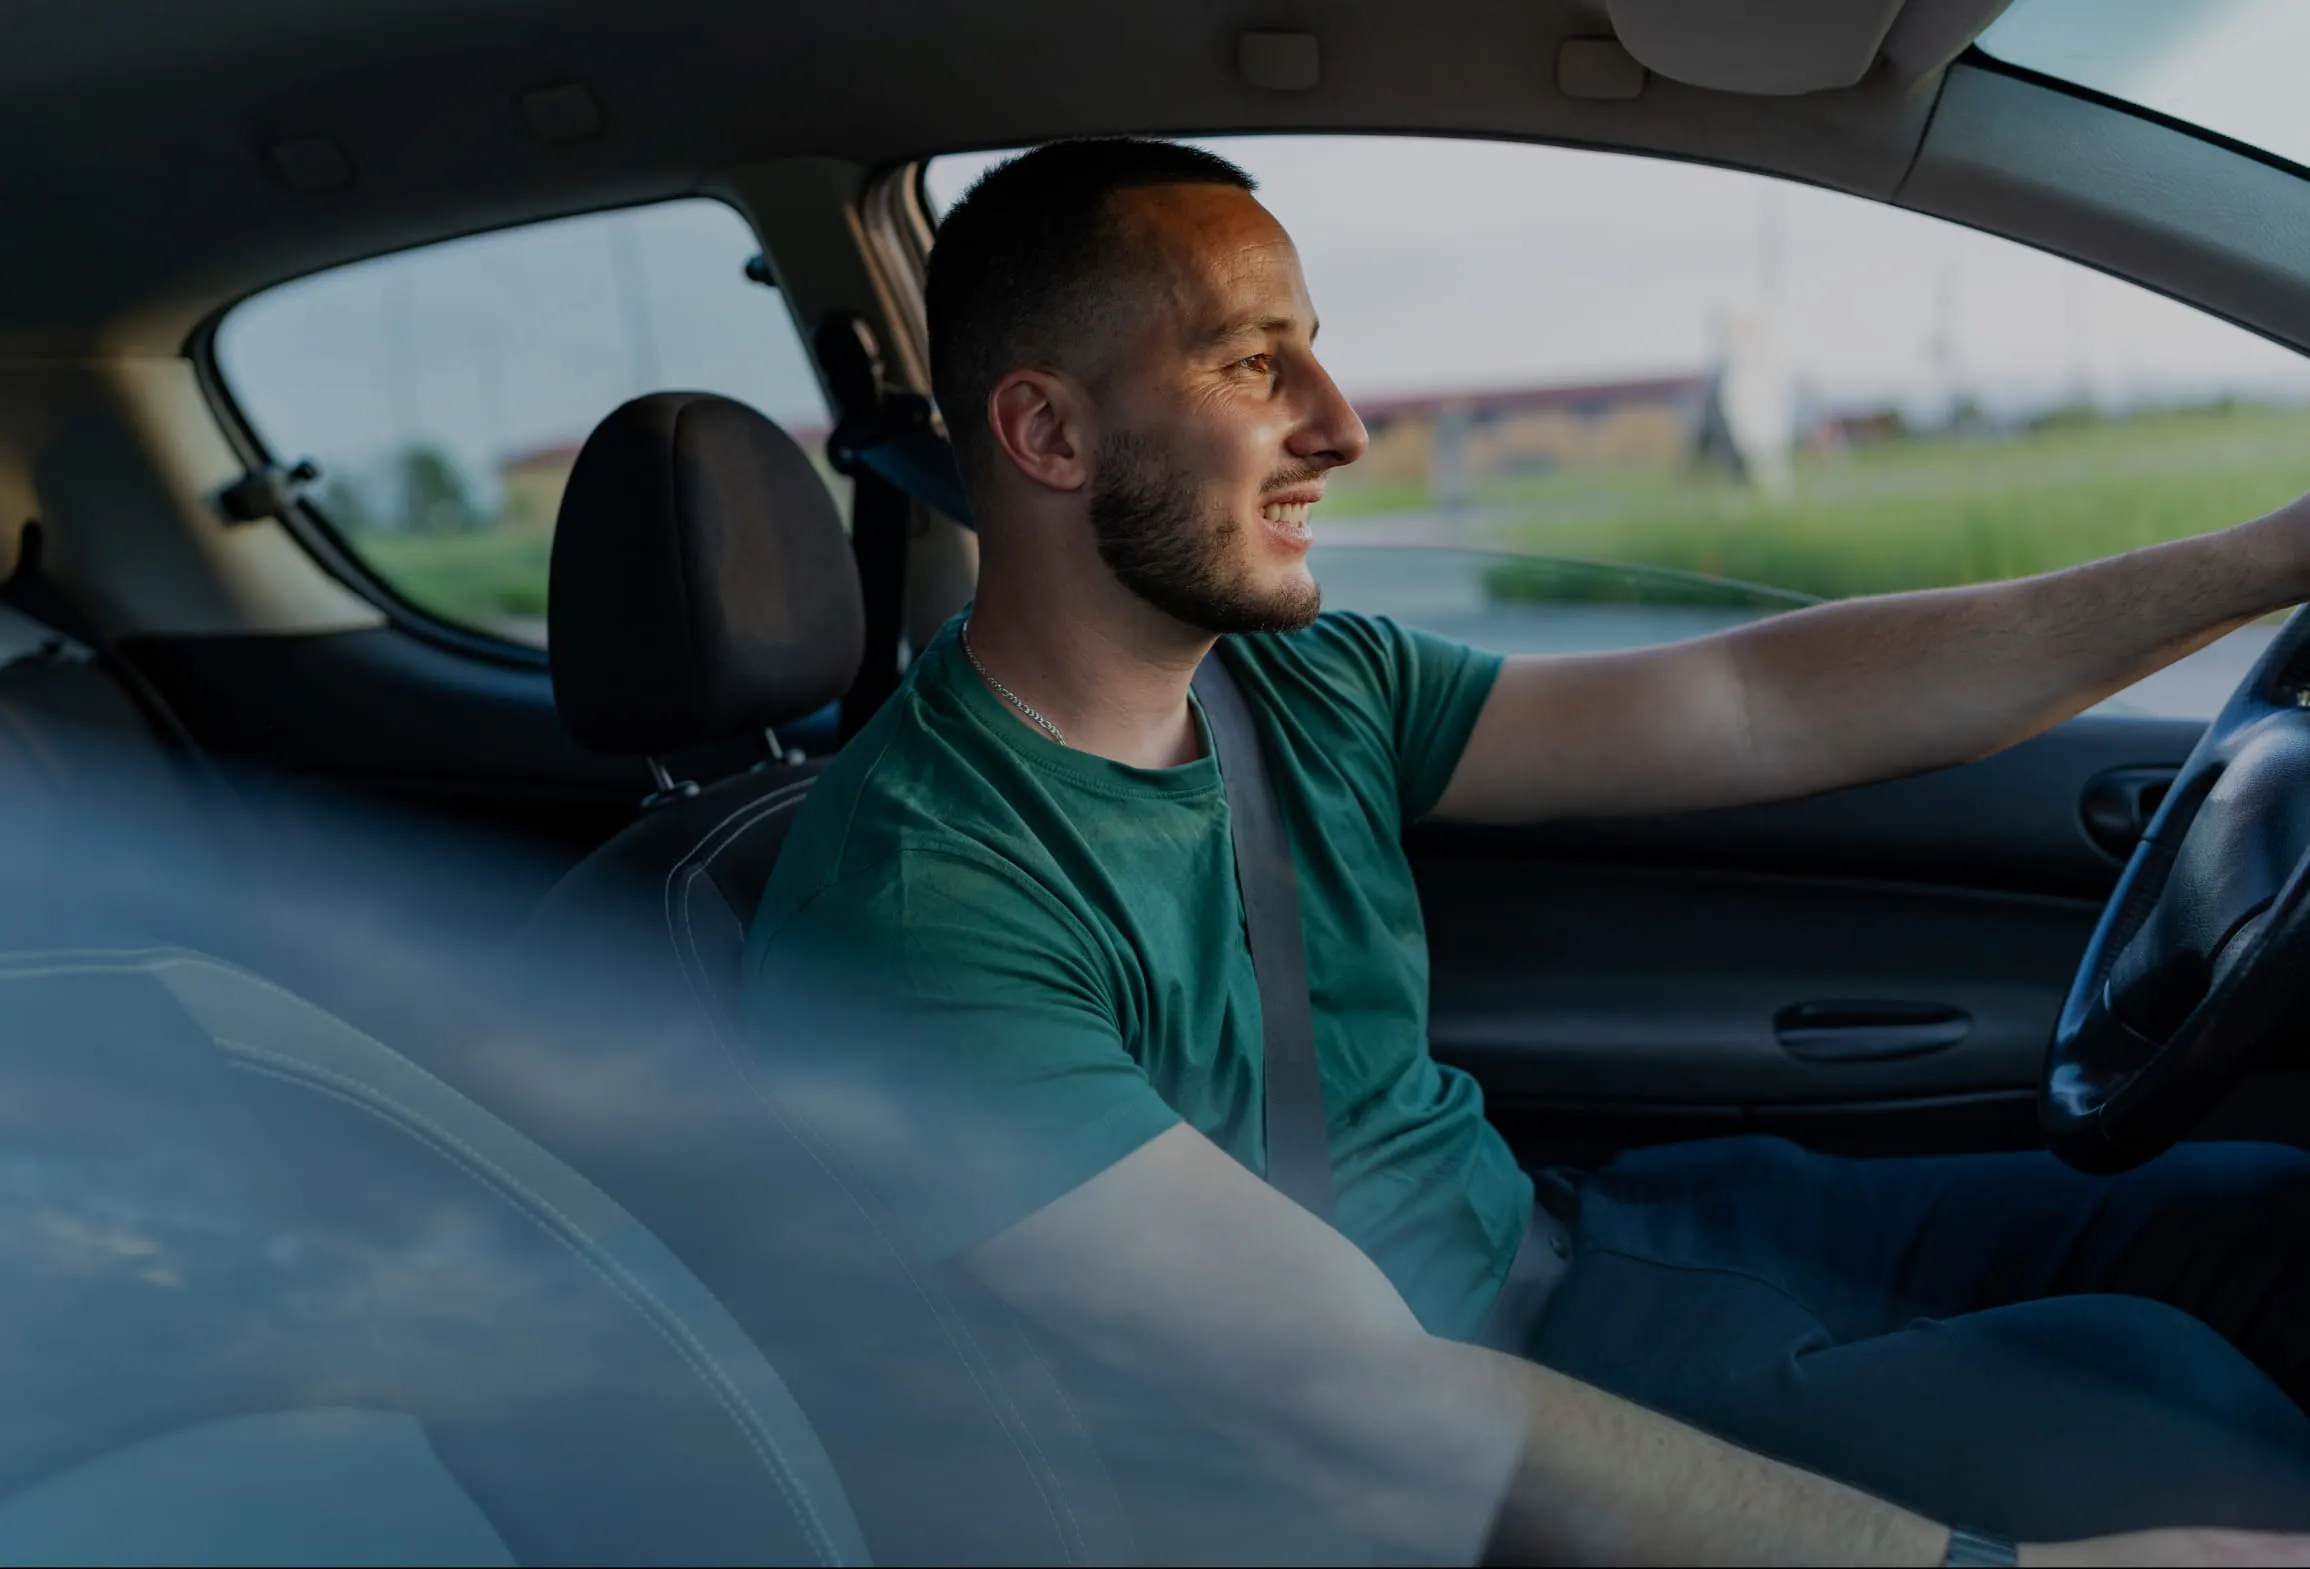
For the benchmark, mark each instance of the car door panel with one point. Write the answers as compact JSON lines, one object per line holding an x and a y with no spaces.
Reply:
{"x":1621,"y":984}
{"x":1876,"y":968}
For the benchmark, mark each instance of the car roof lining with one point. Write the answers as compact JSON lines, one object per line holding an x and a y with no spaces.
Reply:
{"x":135,"y":160}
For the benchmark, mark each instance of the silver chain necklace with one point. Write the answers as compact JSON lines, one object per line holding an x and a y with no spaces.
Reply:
{"x":1016,"y":701}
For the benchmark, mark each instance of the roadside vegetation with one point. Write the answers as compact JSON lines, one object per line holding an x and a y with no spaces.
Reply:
{"x":1915,"y":512}
{"x":421,"y":526}
{"x":481,"y":578}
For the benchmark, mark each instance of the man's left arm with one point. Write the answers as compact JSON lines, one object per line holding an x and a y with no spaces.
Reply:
{"x":1862,"y":689}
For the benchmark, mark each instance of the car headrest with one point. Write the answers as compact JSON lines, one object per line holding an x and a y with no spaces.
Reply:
{"x":702,"y":587}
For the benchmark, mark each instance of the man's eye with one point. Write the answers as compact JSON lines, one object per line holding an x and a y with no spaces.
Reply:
{"x":1262,"y":364}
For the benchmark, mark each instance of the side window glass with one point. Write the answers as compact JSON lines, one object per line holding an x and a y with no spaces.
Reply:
{"x":445,"y":391}
{"x":1614,"y":400}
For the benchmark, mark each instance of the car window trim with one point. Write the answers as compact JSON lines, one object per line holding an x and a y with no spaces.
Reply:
{"x":1982,"y":60}
{"x":310,"y":526}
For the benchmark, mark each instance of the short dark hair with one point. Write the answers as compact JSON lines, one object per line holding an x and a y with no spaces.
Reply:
{"x":1024,"y":264}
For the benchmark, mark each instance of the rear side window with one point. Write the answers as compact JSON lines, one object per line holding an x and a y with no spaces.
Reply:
{"x":444,"y":391}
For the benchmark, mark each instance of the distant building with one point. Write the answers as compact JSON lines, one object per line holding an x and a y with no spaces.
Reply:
{"x":1739,"y":415}
{"x":1857,"y":428}
{"x":1449,"y":438}
{"x":530,"y":484}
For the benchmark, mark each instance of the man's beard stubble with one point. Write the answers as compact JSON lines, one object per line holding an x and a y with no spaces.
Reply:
{"x":1159,"y":543}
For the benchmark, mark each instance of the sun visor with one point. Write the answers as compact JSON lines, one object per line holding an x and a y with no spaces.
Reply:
{"x":1779,"y":48}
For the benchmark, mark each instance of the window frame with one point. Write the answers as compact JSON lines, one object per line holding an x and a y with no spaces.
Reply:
{"x":310,"y":527}
{"x":910,"y":179}
{"x":1983,"y":59}
{"x":306,"y":521}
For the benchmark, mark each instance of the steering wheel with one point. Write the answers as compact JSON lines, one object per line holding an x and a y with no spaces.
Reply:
{"x":2201,"y":959}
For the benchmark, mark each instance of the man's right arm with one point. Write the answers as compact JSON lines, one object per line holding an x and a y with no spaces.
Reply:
{"x":1179,"y":1266}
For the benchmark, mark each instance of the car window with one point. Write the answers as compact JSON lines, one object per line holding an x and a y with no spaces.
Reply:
{"x":1632,"y":363}
{"x":444,"y":391}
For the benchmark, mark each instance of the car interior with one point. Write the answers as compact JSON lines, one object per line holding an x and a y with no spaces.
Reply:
{"x":343,"y":1219}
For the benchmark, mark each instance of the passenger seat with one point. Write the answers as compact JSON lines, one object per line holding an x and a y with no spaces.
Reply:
{"x":277,"y":1295}
{"x":702,"y":590}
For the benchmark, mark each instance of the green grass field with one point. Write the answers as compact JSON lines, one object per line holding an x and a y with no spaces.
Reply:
{"x":1913,"y":514}
{"x":1904,"y":514}
{"x":480,"y":578}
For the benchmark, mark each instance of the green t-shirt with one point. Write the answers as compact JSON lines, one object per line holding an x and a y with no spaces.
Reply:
{"x":1025,"y":961}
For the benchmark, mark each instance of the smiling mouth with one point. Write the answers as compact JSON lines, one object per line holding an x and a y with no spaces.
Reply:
{"x":1291,"y":514}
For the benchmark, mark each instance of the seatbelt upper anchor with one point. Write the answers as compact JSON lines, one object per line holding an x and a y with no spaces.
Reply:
{"x":880,"y":429}
{"x":267,"y":491}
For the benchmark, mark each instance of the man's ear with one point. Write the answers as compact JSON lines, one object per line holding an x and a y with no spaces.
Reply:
{"x":1041,"y":421}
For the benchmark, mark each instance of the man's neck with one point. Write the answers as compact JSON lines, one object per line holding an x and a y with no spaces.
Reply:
{"x":1108,"y":669}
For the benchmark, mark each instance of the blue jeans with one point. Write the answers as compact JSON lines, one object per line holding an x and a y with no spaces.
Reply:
{"x":1995,"y":1341}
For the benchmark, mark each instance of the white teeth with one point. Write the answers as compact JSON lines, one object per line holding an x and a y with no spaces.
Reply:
{"x":1292,"y":514}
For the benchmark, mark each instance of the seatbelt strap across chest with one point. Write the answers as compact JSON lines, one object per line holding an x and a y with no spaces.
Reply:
{"x":1298,"y":1137}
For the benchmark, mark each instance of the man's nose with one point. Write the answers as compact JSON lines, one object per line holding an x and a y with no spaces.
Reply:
{"x":1330,"y":433}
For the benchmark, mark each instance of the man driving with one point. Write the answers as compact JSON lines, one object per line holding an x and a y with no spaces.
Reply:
{"x":1022,"y":876}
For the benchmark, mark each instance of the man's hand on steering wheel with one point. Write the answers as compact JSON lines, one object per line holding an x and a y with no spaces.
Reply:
{"x":2186,"y":1548}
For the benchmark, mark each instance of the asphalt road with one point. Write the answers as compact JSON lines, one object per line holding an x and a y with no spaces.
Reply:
{"x":1440,"y":588}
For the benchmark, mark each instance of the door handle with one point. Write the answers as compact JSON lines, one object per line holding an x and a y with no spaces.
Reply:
{"x":1868,"y":1031}
{"x":2117,"y":805}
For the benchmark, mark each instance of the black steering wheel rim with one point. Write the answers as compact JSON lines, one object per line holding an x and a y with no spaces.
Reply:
{"x":2200,"y":962}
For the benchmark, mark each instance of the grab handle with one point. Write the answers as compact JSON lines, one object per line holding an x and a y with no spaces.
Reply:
{"x":1868,"y":1031}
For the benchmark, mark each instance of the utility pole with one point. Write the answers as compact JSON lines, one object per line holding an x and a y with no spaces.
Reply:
{"x":401,"y":392}
{"x":490,"y":373}
{"x":2080,"y":380}
{"x":634,"y":304}
{"x":1941,"y":341}
{"x":1768,"y":247}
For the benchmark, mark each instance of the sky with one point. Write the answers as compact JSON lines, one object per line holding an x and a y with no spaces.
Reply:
{"x":1435,"y":264}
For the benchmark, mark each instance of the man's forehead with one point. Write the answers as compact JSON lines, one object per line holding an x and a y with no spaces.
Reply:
{"x":1226,"y":263}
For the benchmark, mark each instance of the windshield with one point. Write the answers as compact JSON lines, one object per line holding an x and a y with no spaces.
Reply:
{"x":2231,"y":66}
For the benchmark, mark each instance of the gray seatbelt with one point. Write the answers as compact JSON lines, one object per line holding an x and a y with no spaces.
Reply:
{"x":1298,"y":1139}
